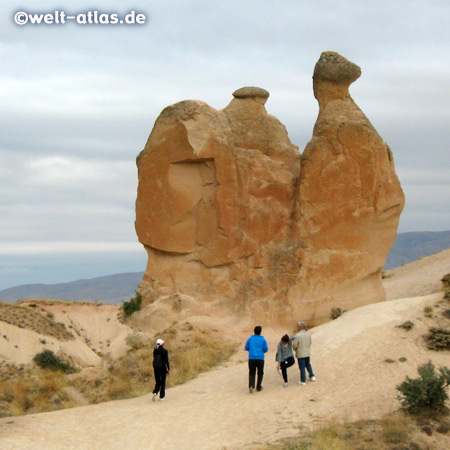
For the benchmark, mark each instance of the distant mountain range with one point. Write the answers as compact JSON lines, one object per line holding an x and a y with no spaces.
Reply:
{"x":408,"y":247}
{"x":115,"y":289}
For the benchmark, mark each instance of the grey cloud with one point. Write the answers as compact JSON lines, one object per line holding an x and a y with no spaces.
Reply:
{"x":90,"y":96}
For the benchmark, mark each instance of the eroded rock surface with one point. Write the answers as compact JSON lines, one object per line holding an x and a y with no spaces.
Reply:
{"x":230,"y":213}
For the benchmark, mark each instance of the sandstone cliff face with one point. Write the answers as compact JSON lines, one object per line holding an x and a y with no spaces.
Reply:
{"x":230,"y":213}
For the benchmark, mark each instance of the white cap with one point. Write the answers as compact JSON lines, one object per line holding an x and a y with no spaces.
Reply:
{"x":159,"y":342}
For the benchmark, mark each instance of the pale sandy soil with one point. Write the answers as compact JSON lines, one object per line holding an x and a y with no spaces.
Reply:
{"x":95,"y":328}
{"x":215,"y":411}
{"x":420,"y":277}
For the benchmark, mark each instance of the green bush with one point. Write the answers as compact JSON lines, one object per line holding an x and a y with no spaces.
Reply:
{"x":133,"y":305}
{"x":48,"y":360}
{"x":426,"y":392}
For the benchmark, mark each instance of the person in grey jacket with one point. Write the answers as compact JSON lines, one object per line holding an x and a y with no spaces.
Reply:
{"x":302,"y":347}
{"x":284,"y":357}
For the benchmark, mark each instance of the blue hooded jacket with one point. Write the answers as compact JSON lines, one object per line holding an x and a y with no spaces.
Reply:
{"x":256,"y":346}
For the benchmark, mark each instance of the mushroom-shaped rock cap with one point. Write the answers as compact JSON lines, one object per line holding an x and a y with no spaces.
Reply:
{"x":252,"y":92}
{"x":335,"y":68}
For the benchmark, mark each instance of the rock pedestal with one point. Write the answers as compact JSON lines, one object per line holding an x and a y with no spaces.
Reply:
{"x":231,"y":213}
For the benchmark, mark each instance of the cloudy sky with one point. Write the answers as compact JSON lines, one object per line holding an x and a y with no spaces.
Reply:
{"x":79,"y":101}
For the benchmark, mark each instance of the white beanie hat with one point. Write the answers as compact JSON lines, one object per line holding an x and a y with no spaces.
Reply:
{"x":159,"y":342}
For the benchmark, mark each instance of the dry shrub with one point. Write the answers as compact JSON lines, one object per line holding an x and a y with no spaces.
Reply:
{"x":36,"y":391}
{"x":201,"y":354}
{"x":443,"y":428}
{"x":328,"y":438}
{"x":446,"y":282}
{"x":50,"y":382}
{"x":125,"y":377}
{"x":408,"y":325}
{"x":136,"y":341}
{"x":395,"y":429}
{"x":336,"y":312}
{"x":438,"y":339}
{"x":118,"y":388}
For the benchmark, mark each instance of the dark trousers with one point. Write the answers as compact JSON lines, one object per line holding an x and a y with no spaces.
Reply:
{"x":253,"y":365}
{"x":160,"y":382}
{"x":304,"y":363}
{"x":284,"y":365}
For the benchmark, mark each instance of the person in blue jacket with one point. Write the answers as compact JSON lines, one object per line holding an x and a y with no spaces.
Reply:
{"x":256,"y":346}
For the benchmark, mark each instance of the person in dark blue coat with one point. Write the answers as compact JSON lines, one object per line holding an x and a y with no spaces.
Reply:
{"x":256,"y":346}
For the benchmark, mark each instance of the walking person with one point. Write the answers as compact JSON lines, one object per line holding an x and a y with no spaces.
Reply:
{"x":256,"y":346}
{"x":284,"y":357}
{"x":302,"y":347}
{"x":161,"y":369}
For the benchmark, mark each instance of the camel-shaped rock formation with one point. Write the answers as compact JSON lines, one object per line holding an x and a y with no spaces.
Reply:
{"x":230,"y":212}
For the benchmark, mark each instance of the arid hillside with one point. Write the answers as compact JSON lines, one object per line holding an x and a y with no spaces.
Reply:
{"x":359,"y":359}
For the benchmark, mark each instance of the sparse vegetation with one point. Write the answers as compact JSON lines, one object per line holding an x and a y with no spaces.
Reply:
{"x":392,"y":432}
{"x":438,"y":339}
{"x":446,"y":282}
{"x":426,"y":392}
{"x":408,"y":325}
{"x":201,"y":354}
{"x":136,"y":341}
{"x":33,"y":319}
{"x":27,"y":390}
{"x":446,"y":286}
{"x":133,"y":305}
{"x":336,"y":312}
{"x":48,"y":360}
{"x":132,"y":374}
{"x":428,"y":311}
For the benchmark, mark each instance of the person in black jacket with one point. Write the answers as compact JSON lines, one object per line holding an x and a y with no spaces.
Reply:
{"x":161,"y":368}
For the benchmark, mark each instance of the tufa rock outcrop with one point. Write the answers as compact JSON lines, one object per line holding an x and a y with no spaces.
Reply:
{"x":230,"y":213}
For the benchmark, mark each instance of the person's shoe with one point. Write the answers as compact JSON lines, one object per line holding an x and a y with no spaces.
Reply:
{"x":279,"y":372}
{"x":250,"y":390}
{"x":259,"y":389}
{"x":313,"y":378}
{"x":154,"y":397}
{"x":301,"y":383}
{"x":162,"y":399}
{"x":285,"y":385}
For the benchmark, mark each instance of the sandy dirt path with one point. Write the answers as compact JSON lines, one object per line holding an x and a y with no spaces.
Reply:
{"x":215,"y":411}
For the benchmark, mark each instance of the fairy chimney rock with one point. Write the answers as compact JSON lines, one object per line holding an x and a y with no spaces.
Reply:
{"x":230,"y":212}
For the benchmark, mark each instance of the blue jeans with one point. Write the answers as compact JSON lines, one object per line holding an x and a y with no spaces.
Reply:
{"x":304,"y":363}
